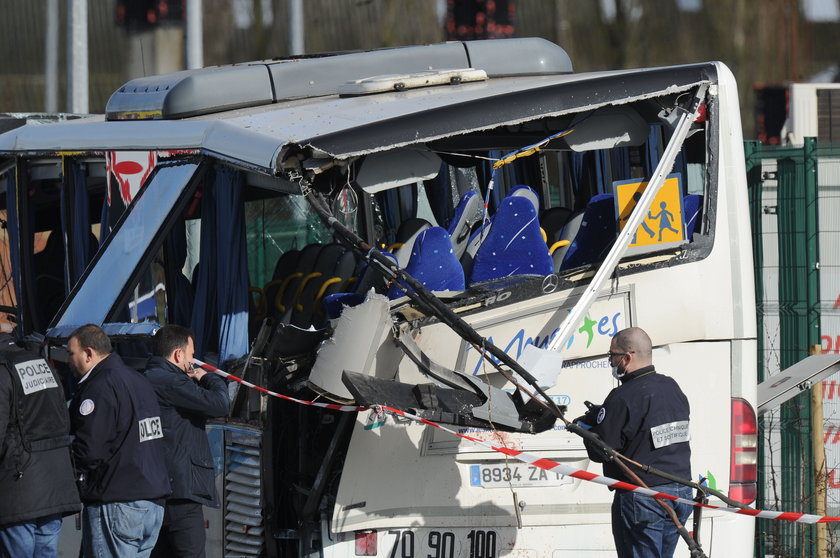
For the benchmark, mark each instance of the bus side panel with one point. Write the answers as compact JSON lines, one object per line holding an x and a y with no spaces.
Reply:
{"x":403,"y":477}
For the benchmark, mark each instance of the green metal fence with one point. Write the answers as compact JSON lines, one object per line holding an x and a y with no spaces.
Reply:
{"x":785,"y":193}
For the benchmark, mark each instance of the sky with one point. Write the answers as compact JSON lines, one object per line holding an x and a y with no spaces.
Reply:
{"x":821,"y":10}
{"x":813,"y":10}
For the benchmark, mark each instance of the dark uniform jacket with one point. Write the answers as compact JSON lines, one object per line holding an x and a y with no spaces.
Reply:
{"x":185,"y":407}
{"x":36,"y":476}
{"x":645,"y":419}
{"x":118,"y":447}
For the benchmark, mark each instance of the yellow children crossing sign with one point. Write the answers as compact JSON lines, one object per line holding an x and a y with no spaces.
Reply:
{"x":664,"y":220}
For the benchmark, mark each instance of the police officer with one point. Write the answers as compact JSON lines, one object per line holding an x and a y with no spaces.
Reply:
{"x":188,"y":397}
{"x":36,"y":478}
{"x":117,"y":450}
{"x":646,"y":419}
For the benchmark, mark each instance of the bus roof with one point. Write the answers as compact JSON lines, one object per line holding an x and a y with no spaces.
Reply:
{"x":341,"y":127}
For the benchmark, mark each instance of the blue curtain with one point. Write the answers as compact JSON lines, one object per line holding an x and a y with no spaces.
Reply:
{"x":76,"y":232}
{"x":407,"y":196}
{"x":221,"y":298}
{"x":652,"y":150}
{"x":577,"y":169}
{"x":176,"y":252}
{"x":680,"y":165}
{"x":591,"y":175}
{"x":439,"y":194}
{"x":104,"y":229}
{"x":620,"y":164}
{"x":603,"y":183}
{"x":390,"y":205}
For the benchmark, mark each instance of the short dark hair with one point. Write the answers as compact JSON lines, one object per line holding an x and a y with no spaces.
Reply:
{"x":170,"y":337}
{"x":92,"y":336}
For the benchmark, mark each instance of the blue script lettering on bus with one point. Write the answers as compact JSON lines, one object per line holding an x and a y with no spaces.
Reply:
{"x":607,"y":326}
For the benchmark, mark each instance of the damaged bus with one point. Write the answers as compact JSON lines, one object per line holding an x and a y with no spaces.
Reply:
{"x":408,"y":228}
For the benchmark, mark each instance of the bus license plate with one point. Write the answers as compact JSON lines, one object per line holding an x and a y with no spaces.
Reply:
{"x":500,"y":475}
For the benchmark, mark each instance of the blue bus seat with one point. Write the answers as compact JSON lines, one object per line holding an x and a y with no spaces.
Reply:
{"x":406,"y":236}
{"x":433,"y":263}
{"x":597,"y":233}
{"x":285,"y":266}
{"x":552,"y":221}
{"x":567,"y":234}
{"x":514,"y":245}
{"x":281,"y":304}
{"x":369,"y":277}
{"x":521,"y":190}
{"x":481,"y":233}
{"x":692,"y":214}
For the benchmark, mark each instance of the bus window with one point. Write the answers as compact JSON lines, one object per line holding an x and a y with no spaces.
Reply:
{"x":184,"y":281}
{"x":279,"y":226}
{"x":63,"y":201}
{"x":597,"y":187}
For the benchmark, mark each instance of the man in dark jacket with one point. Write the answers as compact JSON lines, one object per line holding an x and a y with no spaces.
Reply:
{"x":36,"y":477}
{"x":118,"y":450}
{"x":646,"y":419}
{"x":188,"y":397}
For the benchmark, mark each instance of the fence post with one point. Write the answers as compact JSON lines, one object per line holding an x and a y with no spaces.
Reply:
{"x":755,"y":187}
{"x":818,"y":450}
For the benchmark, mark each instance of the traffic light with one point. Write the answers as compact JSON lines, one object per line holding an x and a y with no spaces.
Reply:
{"x":479,"y":19}
{"x":137,"y":15}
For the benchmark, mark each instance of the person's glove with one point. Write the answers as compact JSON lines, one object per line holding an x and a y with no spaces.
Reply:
{"x":588,"y":419}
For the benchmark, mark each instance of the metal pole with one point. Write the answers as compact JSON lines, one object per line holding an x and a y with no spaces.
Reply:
{"x":296,"y":27}
{"x":818,"y":450}
{"x":683,"y":125}
{"x":51,"y":62}
{"x":195,"y":35}
{"x":77,"y":60}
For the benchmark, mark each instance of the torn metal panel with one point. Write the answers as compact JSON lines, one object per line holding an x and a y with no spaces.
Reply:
{"x":478,"y":107}
{"x":607,"y":128}
{"x":795,"y":379}
{"x":382,"y":171}
{"x":359,"y":333}
{"x":451,"y":406}
{"x":439,"y":374}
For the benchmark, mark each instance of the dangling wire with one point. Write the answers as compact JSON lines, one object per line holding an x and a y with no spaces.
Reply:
{"x":526,"y":151}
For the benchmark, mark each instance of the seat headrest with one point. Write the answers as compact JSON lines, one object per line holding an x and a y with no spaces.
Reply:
{"x":467,"y":213}
{"x":597,"y":232}
{"x":523,"y":191}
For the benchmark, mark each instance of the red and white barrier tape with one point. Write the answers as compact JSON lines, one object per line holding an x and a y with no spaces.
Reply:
{"x":540,"y":462}
{"x":223,"y":374}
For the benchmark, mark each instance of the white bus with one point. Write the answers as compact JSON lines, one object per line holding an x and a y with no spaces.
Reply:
{"x":496,"y":177}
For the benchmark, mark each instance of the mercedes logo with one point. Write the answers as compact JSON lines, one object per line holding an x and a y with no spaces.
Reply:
{"x":550,"y":283}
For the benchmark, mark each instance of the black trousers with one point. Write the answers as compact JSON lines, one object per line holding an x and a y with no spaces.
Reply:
{"x":182,"y":534}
